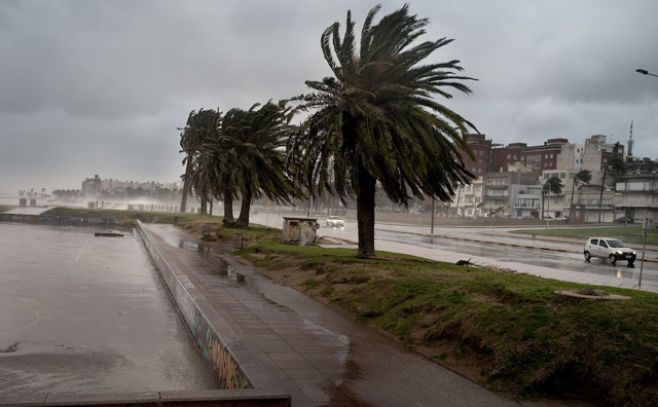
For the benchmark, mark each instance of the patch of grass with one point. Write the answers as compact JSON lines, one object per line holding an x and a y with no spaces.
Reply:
{"x":525,"y":339}
{"x":128,"y":218}
{"x":310,"y":284}
{"x":628,"y":234}
{"x":253,"y":234}
{"x":208,"y":238}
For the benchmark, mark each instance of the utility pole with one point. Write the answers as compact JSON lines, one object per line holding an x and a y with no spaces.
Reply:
{"x":432,"y":222}
{"x":646,"y":225}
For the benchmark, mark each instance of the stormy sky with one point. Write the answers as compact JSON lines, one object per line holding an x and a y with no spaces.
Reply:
{"x":100,"y":87}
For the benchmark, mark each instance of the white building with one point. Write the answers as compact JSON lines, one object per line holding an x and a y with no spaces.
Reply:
{"x":637,"y":197}
{"x":468,"y":199}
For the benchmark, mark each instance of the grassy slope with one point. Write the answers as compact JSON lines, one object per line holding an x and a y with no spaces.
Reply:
{"x":520,"y":336}
{"x":122,"y":217}
{"x":629,"y":234}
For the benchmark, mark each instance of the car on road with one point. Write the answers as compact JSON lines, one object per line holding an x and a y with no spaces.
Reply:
{"x":624,"y":220}
{"x":609,"y":248}
{"x":335,"y":221}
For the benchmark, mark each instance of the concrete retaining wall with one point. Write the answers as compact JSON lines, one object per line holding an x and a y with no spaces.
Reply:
{"x":191,"y":307}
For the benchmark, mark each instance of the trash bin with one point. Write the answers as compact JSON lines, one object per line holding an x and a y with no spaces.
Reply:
{"x":301,"y":231}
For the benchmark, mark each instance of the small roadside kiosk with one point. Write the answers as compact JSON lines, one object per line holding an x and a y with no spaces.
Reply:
{"x":301,"y":231}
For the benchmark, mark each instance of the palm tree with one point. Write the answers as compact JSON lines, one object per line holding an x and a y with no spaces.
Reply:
{"x":375,"y":119}
{"x":582,"y":176}
{"x":201,"y":126}
{"x":202,"y":179}
{"x":617,"y":166}
{"x":188,"y":146}
{"x":553,"y":184}
{"x":256,"y":141}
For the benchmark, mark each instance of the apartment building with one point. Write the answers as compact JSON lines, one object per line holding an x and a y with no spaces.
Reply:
{"x":636,"y":197}
{"x":468,"y":199}
{"x":96,"y":186}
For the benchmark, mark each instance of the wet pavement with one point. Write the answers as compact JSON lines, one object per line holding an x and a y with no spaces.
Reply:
{"x":85,"y":314}
{"x":568,"y":265}
{"x":502,"y":235}
{"x":317,"y":355}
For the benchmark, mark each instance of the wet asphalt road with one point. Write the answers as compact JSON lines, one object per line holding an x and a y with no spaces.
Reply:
{"x":555,"y":260}
{"x":88,"y":315}
{"x":513,"y":256}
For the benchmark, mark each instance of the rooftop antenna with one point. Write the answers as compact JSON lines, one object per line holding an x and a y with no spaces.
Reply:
{"x":630,"y":142}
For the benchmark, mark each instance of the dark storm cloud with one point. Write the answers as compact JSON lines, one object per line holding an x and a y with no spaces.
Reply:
{"x":100,"y":86}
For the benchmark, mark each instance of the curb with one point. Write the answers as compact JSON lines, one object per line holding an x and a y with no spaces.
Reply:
{"x":188,"y":398}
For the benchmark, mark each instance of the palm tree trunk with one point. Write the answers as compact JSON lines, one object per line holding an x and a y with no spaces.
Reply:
{"x":186,"y":185}
{"x":365,"y":212}
{"x":210,"y":209}
{"x":204,"y":205}
{"x":245,"y":206}
{"x":605,"y":173}
{"x":543,"y":199}
{"x":228,"y":208}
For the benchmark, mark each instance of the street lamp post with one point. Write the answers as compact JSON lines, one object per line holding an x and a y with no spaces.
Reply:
{"x":645,"y":72}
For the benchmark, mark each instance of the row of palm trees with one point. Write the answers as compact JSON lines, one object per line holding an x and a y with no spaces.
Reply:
{"x":615,"y":166}
{"x":375,"y":120}
{"x":237,"y":153}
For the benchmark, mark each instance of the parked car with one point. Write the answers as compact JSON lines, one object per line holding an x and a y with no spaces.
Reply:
{"x":624,"y":220}
{"x":609,"y":248}
{"x":335,"y":221}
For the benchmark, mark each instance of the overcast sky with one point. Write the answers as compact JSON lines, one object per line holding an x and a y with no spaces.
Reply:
{"x":100,"y":87}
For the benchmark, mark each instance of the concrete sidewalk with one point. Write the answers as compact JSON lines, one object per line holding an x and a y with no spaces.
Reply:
{"x":294,"y":344}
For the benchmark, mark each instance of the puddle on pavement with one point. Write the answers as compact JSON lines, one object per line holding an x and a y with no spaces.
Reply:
{"x":219,"y":266}
{"x":202,"y":249}
{"x":222,"y":269}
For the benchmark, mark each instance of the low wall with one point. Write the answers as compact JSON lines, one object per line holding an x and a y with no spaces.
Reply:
{"x":55,"y":220}
{"x":206,"y":336}
{"x":201,"y":398}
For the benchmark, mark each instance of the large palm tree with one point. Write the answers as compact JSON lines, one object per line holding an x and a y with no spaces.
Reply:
{"x":256,"y":141}
{"x":580,"y":176}
{"x":376,"y":119}
{"x":553,"y":184}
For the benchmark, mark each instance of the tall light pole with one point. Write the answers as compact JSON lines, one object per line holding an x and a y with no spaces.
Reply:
{"x":645,"y":72}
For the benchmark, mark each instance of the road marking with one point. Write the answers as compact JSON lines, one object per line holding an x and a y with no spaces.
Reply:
{"x":81,"y":250}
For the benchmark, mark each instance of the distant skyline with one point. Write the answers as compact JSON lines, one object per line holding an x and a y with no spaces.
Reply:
{"x":100,"y":87}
